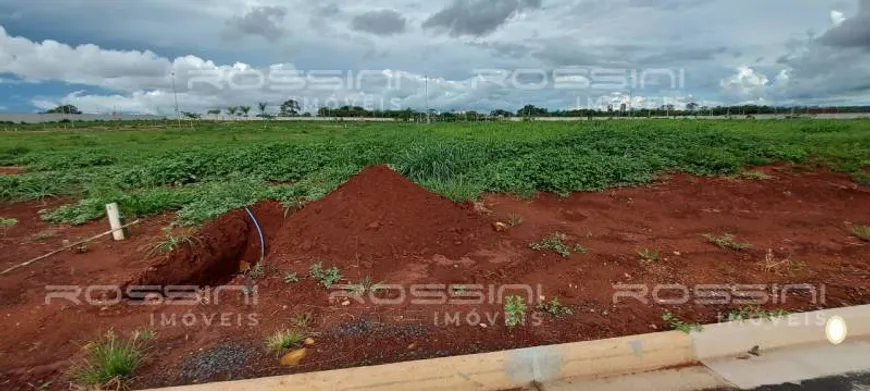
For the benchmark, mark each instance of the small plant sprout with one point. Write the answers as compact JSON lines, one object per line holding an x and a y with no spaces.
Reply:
{"x":514,"y":220}
{"x":578,"y":248}
{"x":726,"y":241}
{"x":861,"y":232}
{"x":554,"y":242}
{"x":554,"y":308}
{"x":301,"y":320}
{"x":457,"y":289}
{"x":326,"y":277}
{"x":365,"y":286}
{"x":6,"y":223}
{"x":514,"y":311}
{"x":677,"y":324}
{"x":111,"y":359}
{"x":290,"y":277}
{"x":255,"y":272}
{"x":282,"y":340}
{"x":648,"y":255}
{"x":172,"y":242}
{"x":772,"y":264}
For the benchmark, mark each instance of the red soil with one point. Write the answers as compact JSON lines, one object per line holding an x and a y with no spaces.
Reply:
{"x":381,"y":225}
{"x":11,"y":170}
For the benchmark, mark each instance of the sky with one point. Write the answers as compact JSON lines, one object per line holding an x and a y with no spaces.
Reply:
{"x":142,"y":56}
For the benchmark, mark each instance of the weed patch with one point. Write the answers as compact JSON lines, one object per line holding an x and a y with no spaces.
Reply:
{"x":326,"y":277}
{"x":678,"y":324}
{"x":726,"y":241}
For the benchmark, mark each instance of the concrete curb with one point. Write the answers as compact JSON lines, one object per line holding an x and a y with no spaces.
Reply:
{"x":583,"y":361}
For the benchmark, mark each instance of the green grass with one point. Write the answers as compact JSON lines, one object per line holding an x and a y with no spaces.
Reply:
{"x":555,"y":308}
{"x":861,"y":232}
{"x":203,"y":172}
{"x":282,"y":340}
{"x":172,"y":242}
{"x":111,"y":359}
{"x":648,"y":255}
{"x":6,"y":223}
{"x":326,"y":277}
{"x":726,"y":241}
{"x":750,"y":312}
{"x":754,"y":175}
{"x":676,"y":323}
{"x":555,"y":242}
{"x":514,"y":311}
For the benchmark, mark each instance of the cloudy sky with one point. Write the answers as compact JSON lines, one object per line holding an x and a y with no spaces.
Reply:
{"x":129,"y":56}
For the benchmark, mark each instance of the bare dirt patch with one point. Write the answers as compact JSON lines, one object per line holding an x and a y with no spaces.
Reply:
{"x":11,"y":170}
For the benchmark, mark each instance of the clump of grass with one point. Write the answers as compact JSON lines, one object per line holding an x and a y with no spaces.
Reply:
{"x":514,"y":220}
{"x":555,"y":242}
{"x":301,"y":320}
{"x":678,"y":324}
{"x":44,"y":235}
{"x":861,"y":232}
{"x":172,"y":241}
{"x":290,"y":277}
{"x":111,"y":359}
{"x":754,"y":175}
{"x":771,"y":264}
{"x":326,"y":277}
{"x":365,"y":286}
{"x":726,"y":241}
{"x":648,"y":255}
{"x":554,"y":308}
{"x":578,"y":248}
{"x":254,"y":272}
{"x":282,"y":340}
{"x":457,"y":289}
{"x":514,"y":311}
{"x":6,"y":223}
{"x":750,"y":312}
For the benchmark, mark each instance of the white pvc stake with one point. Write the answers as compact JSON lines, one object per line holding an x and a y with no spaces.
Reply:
{"x":115,"y":221}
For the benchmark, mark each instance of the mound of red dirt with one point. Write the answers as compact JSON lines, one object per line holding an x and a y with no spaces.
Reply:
{"x":380,"y":213}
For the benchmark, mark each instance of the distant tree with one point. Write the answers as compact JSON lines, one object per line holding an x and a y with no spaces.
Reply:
{"x":262,"y":106}
{"x":215,"y":112}
{"x":691,"y":106}
{"x":64,"y":109}
{"x":191,"y":115}
{"x":232,"y":110}
{"x":245,"y":110}
{"x":500,"y":113}
{"x":532,"y":111}
{"x":290,"y":108}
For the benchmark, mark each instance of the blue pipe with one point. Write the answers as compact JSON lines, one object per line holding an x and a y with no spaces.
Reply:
{"x":260,"y":232}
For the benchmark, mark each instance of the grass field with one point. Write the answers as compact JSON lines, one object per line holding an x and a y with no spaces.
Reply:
{"x":206,"y":171}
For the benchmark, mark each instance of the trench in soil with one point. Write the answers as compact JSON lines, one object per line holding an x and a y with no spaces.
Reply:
{"x":381,"y":226}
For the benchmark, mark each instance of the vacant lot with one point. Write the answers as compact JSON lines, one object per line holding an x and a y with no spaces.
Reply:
{"x":569,"y":209}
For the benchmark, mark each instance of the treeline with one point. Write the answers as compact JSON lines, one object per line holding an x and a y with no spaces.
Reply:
{"x":622,"y":111}
{"x":291,"y":108}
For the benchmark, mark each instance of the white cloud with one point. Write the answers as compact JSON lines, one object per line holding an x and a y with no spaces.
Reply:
{"x":837,"y":18}
{"x":745,"y":82}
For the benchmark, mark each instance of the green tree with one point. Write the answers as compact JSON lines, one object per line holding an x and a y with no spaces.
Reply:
{"x":290,"y":108}
{"x":245,"y":110}
{"x":64,"y":109}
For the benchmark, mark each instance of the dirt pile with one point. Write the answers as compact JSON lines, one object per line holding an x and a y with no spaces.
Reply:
{"x":380,"y":213}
